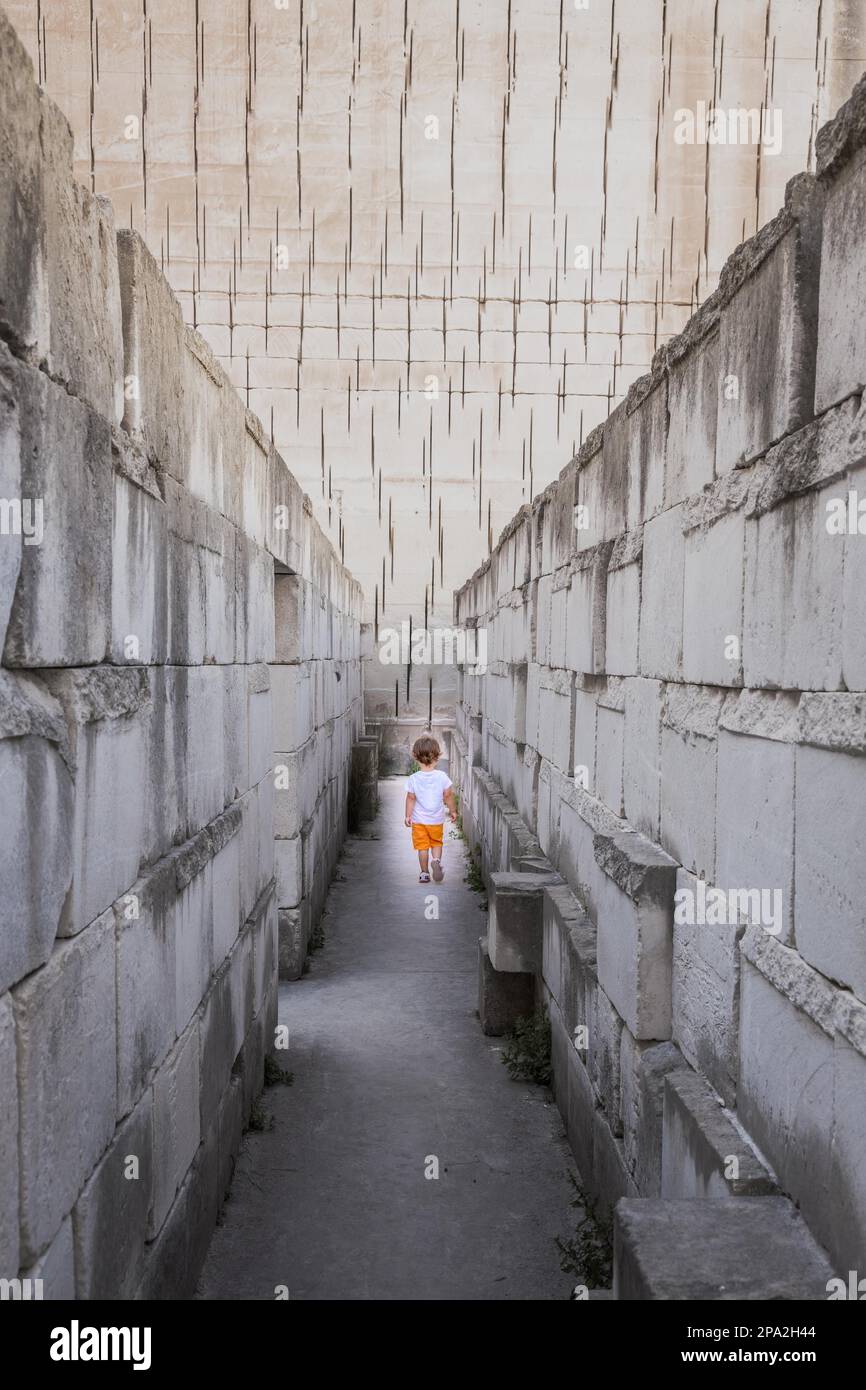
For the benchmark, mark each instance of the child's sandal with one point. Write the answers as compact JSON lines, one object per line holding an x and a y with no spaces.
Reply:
{"x":423,"y":878}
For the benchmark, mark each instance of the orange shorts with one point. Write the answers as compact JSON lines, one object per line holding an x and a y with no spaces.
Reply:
{"x":426,"y":836}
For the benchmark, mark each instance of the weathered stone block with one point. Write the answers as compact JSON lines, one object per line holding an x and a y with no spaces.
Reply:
{"x":176,"y":1123}
{"x":225,"y":1019}
{"x":514,"y":933}
{"x":145,"y":920}
{"x":842,"y":167}
{"x":713,"y":602}
{"x":634,"y":916}
{"x":644,"y":1067}
{"x":61,"y":613}
{"x":785,"y":1093}
{"x":831,"y":847}
{"x":661,"y":609}
{"x":847,"y":1179}
{"x":503,"y":996}
{"x":755,"y":819}
{"x":693,"y":395}
{"x":36,"y":845}
{"x":609,"y":758}
{"x":56,"y":1266}
{"x":110,"y":1216}
{"x":706,"y":992}
{"x":642,"y":755}
{"x":23,"y":287}
{"x":65,"y":1016}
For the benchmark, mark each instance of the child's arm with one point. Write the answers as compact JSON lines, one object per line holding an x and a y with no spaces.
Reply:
{"x":451,"y":802}
{"x":410,"y":806}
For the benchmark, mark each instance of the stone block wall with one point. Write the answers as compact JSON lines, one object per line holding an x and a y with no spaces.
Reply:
{"x":180,"y":691}
{"x":675,"y":704}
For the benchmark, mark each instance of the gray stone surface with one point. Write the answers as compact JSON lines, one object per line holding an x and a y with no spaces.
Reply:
{"x":755,"y":1248}
{"x":504,"y":996}
{"x":110,"y":1217}
{"x":704,"y":1153}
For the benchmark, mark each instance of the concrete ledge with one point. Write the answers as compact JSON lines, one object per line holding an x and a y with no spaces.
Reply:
{"x":755,"y":1248}
{"x":704,"y":1154}
{"x":515,"y":929}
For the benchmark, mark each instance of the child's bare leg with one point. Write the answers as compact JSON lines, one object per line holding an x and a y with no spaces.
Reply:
{"x":436,"y":851}
{"x":422,"y":860}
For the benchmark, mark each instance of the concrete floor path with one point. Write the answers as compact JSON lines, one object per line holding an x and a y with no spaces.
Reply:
{"x":391,"y":1069}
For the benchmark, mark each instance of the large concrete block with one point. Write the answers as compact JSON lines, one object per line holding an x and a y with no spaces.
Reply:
{"x":65,"y":1017}
{"x":755,"y":820}
{"x":831,"y":843}
{"x":704,"y":1152}
{"x":61,"y":613}
{"x":13,"y":532}
{"x":713,"y":601}
{"x":139,"y":554}
{"x":642,"y":755}
{"x":689,"y":749}
{"x":785,"y":1093}
{"x":622,"y":619}
{"x":661,"y":609}
{"x":293,"y":939}
{"x":515,"y":927}
{"x":9,"y":1213}
{"x":36,"y":855}
{"x":193,"y":927}
{"x":224,"y":1023}
{"x":755,"y":1248}
{"x":792,"y":614}
{"x":605,"y":1029}
{"x":693,"y":394}
{"x":609,"y":757}
{"x":706,"y":991}
{"x":106,"y":710}
{"x":154,"y":349}
{"x":176,"y":1123}
{"x":110,"y":1216}
{"x":23,"y":286}
{"x":842,"y":168}
{"x":293,"y":706}
{"x":768,"y":339}
{"x":85,"y":346}
{"x":146,"y":966}
{"x":586,"y":608}
{"x":556,"y":717}
{"x":634,"y":915}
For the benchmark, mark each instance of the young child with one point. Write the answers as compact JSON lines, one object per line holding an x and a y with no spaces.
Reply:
{"x":428,"y":793}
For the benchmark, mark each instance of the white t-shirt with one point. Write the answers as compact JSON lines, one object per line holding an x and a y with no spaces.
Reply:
{"x":428,"y":789}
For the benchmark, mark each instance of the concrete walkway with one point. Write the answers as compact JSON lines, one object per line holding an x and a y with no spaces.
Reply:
{"x":391,"y":1067}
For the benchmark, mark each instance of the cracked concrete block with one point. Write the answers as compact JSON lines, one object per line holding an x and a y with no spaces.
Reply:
{"x":828,"y":895}
{"x":713,"y":601}
{"x":176,"y":1127}
{"x":785,"y":1091}
{"x":36,"y":847}
{"x":145,"y":923}
{"x":9,"y":1213}
{"x":644,"y":1066}
{"x":65,"y":1018}
{"x":704,"y":1152}
{"x":661,"y":609}
{"x":603,"y":1057}
{"x":706,"y":993}
{"x":106,"y":710}
{"x":634,"y":918}
{"x":111,"y":1215}
{"x":755,"y":1248}
{"x":642,"y":754}
{"x":61,"y":612}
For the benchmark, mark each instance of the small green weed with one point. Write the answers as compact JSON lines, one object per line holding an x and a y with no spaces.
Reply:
{"x":526,"y":1053}
{"x":588,"y":1254}
{"x":275,"y":1075}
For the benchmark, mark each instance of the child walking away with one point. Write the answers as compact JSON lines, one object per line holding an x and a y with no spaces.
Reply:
{"x":429,"y":797}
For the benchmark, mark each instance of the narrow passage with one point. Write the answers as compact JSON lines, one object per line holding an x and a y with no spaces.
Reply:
{"x":391,"y":1070}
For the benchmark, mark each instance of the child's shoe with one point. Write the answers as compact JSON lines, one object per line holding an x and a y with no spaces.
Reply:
{"x":438,"y":871}
{"x":423,"y":878}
